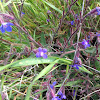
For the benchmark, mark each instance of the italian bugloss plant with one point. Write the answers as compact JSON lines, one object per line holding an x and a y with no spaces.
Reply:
{"x":52,"y":50}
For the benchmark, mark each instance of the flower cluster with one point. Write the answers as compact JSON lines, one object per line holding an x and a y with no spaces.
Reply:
{"x":41,"y":53}
{"x":6,"y":26}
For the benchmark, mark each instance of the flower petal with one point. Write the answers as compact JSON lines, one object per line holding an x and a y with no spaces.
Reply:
{"x":63,"y":97}
{"x":38,"y":54}
{"x":44,"y":56}
{"x":40,"y":49}
{"x":77,"y":67}
{"x":1,"y":27}
{"x":72,"y":22}
{"x":53,"y":84}
{"x":2,"y":30}
{"x":60,"y":93}
{"x":8,"y":29}
{"x":44,"y":50}
{"x":10,"y":24}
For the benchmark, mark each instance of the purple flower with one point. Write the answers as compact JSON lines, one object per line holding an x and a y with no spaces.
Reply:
{"x":53,"y":84}
{"x":85,"y":43}
{"x":41,"y":53}
{"x":98,"y":10}
{"x":22,"y":13}
{"x":72,"y":22}
{"x":56,"y":98}
{"x":6,"y":26}
{"x":62,"y":96}
{"x":97,"y":34}
{"x":48,"y":20}
{"x":76,"y":66}
{"x":77,"y":63}
{"x":60,"y":93}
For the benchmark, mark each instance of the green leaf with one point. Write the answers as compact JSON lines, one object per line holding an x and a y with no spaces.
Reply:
{"x":7,"y":3}
{"x":70,"y":83}
{"x":97,"y":65}
{"x":29,"y":61}
{"x":90,"y":50}
{"x":42,"y":73}
{"x":52,"y":6}
{"x":85,"y":70}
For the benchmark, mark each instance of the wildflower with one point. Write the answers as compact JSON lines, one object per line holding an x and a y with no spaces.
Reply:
{"x":53,"y":84}
{"x":1,"y":0}
{"x":77,"y":63}
{"x":72,"y":22}
{"x":62,"y":96}
{"x":76,"y":66}
{"x":98,"y":10}
{"x":6,"y":26}
{"x":97,"y":34}
{"x":85,"y":43}
{"x":41,"y":53}
{"x":22,"y":13}
{"x":48,"y":20}
{"x":56,"y":98}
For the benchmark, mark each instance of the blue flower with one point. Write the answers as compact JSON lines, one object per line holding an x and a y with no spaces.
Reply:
{"x":1,"y":0}
{"x":48,"y":20}
{"x":72,"y":22}
{"x":6,"y":26}
{"x":22,"y":13}
{"x":85,"y":43}
{"x":53,"y":84}
{"x":41,"y":53}
{"x":76,"y":66}
{"x":56,"y":98}
{"x":62,"y":96}
{"x":97,"y":34}
{"x":98,"y":10}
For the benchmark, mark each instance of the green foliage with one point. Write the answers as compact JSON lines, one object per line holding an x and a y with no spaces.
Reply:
{"x":28,"y":72}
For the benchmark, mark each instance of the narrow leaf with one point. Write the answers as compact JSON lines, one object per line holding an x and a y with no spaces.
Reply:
{"x":85,"y":70}
{"x":52,"y":6}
